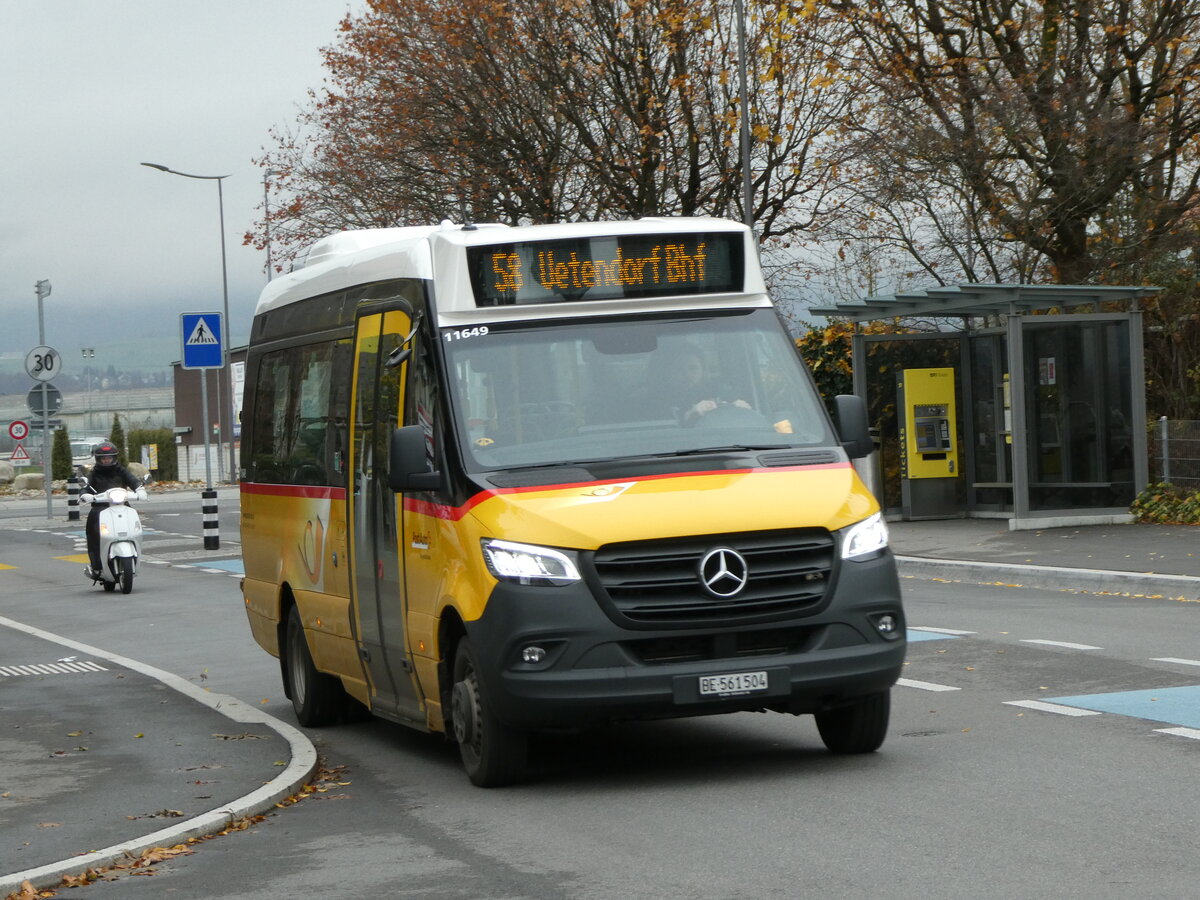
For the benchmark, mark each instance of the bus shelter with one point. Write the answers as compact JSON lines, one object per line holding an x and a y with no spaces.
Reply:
{"x":1027,"y":402}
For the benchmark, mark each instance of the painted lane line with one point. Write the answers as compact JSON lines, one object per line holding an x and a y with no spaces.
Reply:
{"x":915,"y":635}
{"x":1066,"y":644}
{"x":925,"y":685}
{"x":1193,"y":733}
{"x":58,"y":668}
{"x":1052,"y":708}
{"x":1172,"y":659}
{"x":940,"y":630}
{"x":1178,"y":706}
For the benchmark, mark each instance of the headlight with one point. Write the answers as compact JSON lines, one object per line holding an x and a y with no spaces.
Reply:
{"x":867,"y":538}
{"x":527,"y":564}
{"x":117,"y":495}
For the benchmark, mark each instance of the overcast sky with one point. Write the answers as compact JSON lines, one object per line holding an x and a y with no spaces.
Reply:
{"x":93,"y":88}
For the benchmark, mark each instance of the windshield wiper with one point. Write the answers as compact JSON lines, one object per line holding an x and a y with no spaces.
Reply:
{"x":726,"y":448}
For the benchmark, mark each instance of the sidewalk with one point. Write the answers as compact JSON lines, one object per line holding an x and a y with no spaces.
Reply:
{"x":1154,"y":560}
{"x":102,"y":763}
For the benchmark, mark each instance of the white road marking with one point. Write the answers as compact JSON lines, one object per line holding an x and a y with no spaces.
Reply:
{"x":1066,"y":644}
{"x":940,"y":630}
{"x":1052,"y":707}
{"x":58,"y":668}
{"x":1172,"y":659}
{"x":1192,"y":733}
{"x":925,"y":685}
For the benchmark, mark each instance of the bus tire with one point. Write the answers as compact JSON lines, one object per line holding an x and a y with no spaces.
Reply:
{"x":859,"y":727}
{"x":492,"y":753}
{"x":317,"y":698}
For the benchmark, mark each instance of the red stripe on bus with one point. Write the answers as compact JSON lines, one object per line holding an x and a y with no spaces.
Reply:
{"x":307,"y":492}
{"x":454,"y":513}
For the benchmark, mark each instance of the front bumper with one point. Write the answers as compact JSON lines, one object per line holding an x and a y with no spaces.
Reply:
{"x":596,"y":670}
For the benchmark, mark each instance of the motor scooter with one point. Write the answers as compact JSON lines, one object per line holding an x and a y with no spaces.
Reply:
{"x":120,"y":536}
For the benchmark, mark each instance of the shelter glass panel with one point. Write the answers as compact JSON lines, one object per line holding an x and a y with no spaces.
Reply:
{"x":1079,"y":415}
{"x":991,"y":433}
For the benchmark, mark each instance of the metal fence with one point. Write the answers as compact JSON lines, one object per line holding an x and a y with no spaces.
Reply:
{"x":1175,"y":452}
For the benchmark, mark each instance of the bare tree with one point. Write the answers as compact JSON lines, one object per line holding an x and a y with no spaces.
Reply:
{"x":1026,"y":138}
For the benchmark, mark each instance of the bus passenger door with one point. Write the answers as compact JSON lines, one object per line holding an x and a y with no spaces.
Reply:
{"x":376,"y":565}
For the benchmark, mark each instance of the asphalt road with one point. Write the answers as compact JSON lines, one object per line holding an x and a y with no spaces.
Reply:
{"x":997,"y":780}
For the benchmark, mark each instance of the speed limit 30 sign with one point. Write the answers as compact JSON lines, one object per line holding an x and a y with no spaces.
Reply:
{"x":18,"y":430}
{"x":41,"y":363}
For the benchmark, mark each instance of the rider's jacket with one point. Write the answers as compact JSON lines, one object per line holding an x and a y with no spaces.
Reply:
{"x":105,"y":477}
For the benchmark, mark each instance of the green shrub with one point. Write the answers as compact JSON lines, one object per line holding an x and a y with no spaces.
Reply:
{"x":60,"y":456}
{"x":117,"y":437}
{"x":1167,"y":504}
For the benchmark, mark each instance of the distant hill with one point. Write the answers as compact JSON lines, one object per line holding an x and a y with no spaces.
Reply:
{"x":142,"y":360}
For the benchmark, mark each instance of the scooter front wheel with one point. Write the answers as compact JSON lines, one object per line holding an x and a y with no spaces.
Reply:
{"x":126,"y":574}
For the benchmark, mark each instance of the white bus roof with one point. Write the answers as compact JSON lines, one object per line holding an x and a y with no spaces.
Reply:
{"x":366,"y":256}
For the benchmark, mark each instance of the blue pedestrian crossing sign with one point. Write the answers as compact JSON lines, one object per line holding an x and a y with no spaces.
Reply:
{"x":202,"y":337}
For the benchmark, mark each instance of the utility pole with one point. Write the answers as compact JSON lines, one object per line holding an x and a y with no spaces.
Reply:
{"x":42,"y":288}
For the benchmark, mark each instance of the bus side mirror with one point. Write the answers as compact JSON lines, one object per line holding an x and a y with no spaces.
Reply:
{"x":853,"y":428}
{"x":408,"y":467}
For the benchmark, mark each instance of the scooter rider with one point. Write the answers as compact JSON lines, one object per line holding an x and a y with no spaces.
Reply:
{"x":107,"y":473}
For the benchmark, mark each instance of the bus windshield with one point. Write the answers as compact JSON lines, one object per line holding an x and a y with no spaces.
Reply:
{"x":570,"y":391}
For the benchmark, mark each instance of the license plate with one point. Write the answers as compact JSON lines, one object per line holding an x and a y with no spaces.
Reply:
{"x":736,"y":683}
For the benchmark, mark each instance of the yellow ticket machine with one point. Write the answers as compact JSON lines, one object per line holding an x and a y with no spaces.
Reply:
{"x":929,"y":466}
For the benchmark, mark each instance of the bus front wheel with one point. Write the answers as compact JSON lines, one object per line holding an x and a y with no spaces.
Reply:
{"x":492,"y":753}
{"x":859,"y":727}
{"x":317,"y":698}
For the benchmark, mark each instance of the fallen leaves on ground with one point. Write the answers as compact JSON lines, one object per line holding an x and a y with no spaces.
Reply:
{"x":324,"y":778}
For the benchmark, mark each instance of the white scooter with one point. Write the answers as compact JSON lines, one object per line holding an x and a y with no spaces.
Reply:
{"x":120,"y":536}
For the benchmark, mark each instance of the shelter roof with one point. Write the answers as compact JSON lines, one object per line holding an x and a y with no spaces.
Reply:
{"x":982,"y":300}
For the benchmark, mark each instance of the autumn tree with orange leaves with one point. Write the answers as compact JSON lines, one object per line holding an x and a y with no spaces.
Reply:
{"x":558,"y":110}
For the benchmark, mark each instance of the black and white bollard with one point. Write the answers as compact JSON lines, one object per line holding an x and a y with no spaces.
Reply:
{"x":73,"y":499}
{"x":212,"y":534}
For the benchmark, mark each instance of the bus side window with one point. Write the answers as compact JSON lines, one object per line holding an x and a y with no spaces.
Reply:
{"x":309,"y":427}
{"x":270,"y":417}
{"x":292,"y":433}
{"x":421,"y":400}
{"x":339,"y":401}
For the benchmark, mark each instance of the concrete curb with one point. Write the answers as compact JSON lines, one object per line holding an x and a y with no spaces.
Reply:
{"x":1096,"y":581}
{"x":299,"y":769}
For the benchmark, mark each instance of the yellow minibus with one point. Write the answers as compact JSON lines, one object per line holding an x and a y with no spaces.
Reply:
{"x":500,"y":480}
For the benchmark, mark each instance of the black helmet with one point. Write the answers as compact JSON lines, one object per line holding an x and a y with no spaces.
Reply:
{"x":105,"y":453}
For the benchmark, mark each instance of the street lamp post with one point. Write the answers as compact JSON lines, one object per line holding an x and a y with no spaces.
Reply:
{"x":267,"y":175}
{"x":223,"y":413}
{"x":744,"y":131}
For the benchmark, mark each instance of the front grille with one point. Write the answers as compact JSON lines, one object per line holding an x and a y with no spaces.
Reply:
{"x":693,"y":648}
{"x":659,"y":583}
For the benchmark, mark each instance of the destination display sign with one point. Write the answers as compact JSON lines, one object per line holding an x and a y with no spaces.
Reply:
{"x":606,"y":268}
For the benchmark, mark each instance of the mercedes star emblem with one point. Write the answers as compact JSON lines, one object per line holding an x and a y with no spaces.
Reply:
{"x":724,"y":572}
